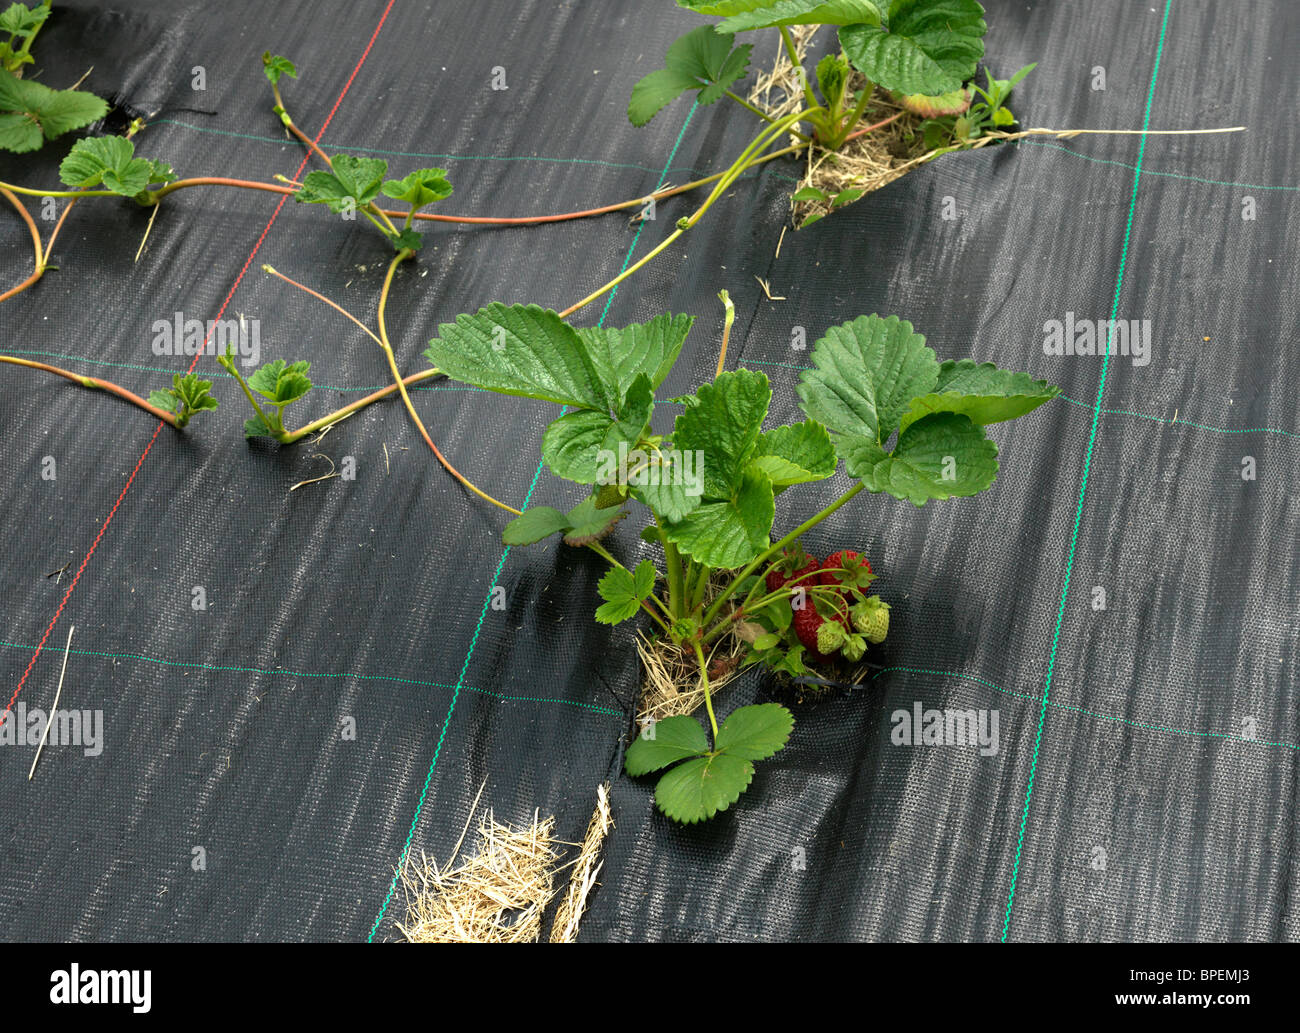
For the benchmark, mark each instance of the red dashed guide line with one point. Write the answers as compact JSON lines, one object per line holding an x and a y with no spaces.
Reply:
{"x":40,"y":646}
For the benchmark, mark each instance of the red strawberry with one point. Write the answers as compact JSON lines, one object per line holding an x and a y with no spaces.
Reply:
{"x":794,"y":563}
{"x":838,"y":560}
{"x":807,"y":621}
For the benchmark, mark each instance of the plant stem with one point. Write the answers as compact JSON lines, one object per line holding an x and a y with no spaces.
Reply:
{"x":96,"y":384}
{"x":701,"y":583}
{"x":842,"y":130}
{"x":793,"y":54}
{"x":773,"y":549}
{"x":360,"y":403}
{"x":229,"y":364}
{"x":763,"y":114}
{"x":729,"y":317}
{"x":724,"y":182}
{"x":36,"y":245}
{"x":398,"y":259}
{"x":704,"y":681}
{"x":672,"y":571}
{"x":332,"y":304}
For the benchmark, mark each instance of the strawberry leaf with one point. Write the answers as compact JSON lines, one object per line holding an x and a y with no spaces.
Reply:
{"x":755,"y":732}
{"x":924,"y":46}
{"x":729,"y":534}
{"x":700,"y":788}
{"x":534,"y":525}
{"x":624,"y":592}
{"x":763,"y":14}
{"x":419,"y":188}
{"x":523,"y":350}
{"x":675,"y":738}
{"x":982,"y":391}
{"x":866,"y":373}
{"x":940,"y":456}
{"x":279,"y":383}
{"x":354,"y":182}
{"x":724,"y":425}
{"x":31,"y":113}
{"x":650,"y":348}
{"x":276,"y":66}
{"x":110,"y":162}
{"x":700,"y":60}
{"x":795,"y":454}
{"x":580,"y":446}
{"x":589,"y":523}
{"x":21,"y":20}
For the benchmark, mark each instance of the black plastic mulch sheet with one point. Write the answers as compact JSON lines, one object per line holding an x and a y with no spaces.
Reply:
{"x":1143,"y":785}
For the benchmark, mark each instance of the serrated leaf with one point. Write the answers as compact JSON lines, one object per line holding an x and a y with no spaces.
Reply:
{"x":724,"y":425}
{"x":419,"y":188}
{"x":925,"y":46}
{"x":795,"y":454}
{"x":741,"y":15}
{"x":588,"y":523}
{"x":832,"y":74}
{"x":982,"y":391}
{"x":674,"y":494}
{"x":20,"y":20}
{"x":755,"y":732}
{"x":650,"y":348}
{"x":586,"y":446}
{"x":675,"y":738}
{"x":255,"y":427}
{"x":534,"y":525}
{"x":729,"y":534}
{"x":409,"y":240}
{"x":940,"y":456}
{"x":523,"y":350}
{"x":106,"y":161}
{"x":276,"y":66}
{"x":164,"y":399}
{"x":31,"y":112}
{"x":624,"y":591}
{"x":281,"y":383}
{"x":352,"y":183}
{"x":698,"y":789}
{"x":700,"y":60}
{"x":866,"y":373}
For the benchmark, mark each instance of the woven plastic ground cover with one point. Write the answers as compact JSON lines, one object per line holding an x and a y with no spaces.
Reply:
{"x":1144,"y":784}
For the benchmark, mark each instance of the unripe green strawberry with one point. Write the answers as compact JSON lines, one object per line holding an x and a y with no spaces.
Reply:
{"x":855,"y":646}
{"x":871,"y":618}
{"x":830,"y":636}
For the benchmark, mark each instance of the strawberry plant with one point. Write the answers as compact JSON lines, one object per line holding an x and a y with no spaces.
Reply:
{"x":921,"y":51}
{"x":876,"y":399}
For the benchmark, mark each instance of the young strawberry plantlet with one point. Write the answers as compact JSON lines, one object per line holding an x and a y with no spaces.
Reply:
{"x":187,"y":395}
{"x":20,"y":24}
{"x":710,"y":489}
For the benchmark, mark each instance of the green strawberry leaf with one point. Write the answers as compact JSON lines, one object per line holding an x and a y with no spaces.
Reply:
{"x":763,"y":14}
{"x":866,"y":373}
{"x":675,"y":738}
{"x":832,"y":73}
{"x":700,"y":60}
{"x":700,"y":788}
{"x":982,"y":391}
{"x":408,"y":239}
{"x":943,"y":455}
{"x":275,"y":66}
{"x":279,"y":383}
{"x":724,"y":424}
{"x":523,"y":350}
{"x":795,"y":454}
{"x":650,"y":348}
{"x":21,"y":20}
{"x":110,"y":162}
{"x":534,"y":525}
{"x":728,"y":534}
{"x":755,"y":732}
{"x":31,"y":112}
{"x":925,"y":46}
{"x":255,"y":427}
{"x":353,"y":183}
{"x":624,"y":591}
{"x":589,"y":523}
{"x":953,"y":102}
{"x":584,"y":446}
{"x":674,"y":488}
{"x":419,"y":188}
